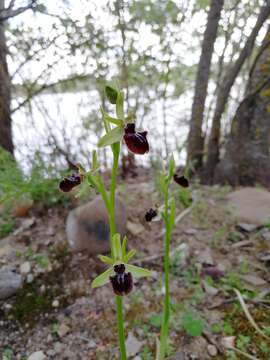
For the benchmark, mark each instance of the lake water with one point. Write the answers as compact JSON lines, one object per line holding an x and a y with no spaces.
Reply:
{"x":73,"y":122}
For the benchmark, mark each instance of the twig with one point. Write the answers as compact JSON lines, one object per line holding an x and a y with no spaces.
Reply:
{"x":248,"y":315}
{"x":242,"y":353}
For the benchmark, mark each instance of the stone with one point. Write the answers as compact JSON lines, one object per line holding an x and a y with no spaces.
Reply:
{"x":212,"y":350}
{"x":38,"y":355}
{"x":5,"y":250}
{"x":10,"y":283}
{"x":25,"y":268}
{"x":63,"y":330}
{"x":266,"y":235}
{"x":135,"y":228}
{"x":247,"y":227}
{"x":87,"y":226}
{"x":250,"y":205}
{"x":55,"y":303}
{"x":133,"y":345}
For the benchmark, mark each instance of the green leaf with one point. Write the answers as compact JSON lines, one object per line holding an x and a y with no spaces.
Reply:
{"x":124,"y":247}
{"x":106,"y":259}
{"x":137,"y":271}
{"x":171,"y":168}
{"x":172,"y":213}
{"x":130,"y":254}
{"x":117,"y":249}
{"x":112,"y":120}
{"x":120,"y":106}
{"x":113,"y":136}
{"x":94,"y":160}
{"x":111,"y":93}
{"x":103,"y":278}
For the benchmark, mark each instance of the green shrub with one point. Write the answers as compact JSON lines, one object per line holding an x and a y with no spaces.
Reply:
{"x":41,"y":185}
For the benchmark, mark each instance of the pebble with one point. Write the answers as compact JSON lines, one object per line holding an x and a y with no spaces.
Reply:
{"x":30,"y":278}
{"x":212,"y":350}
{"x":38,"y":355}
{"x":58,"y":347}
{"x":63,"y":330}
{"x":55,"y":303}
{"x":25,"y":268}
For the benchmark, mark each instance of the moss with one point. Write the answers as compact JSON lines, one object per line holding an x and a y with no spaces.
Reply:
{"x":31,"y":303}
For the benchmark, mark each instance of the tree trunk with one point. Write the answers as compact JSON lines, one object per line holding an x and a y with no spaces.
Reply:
{"x":223,"y":95}
{"x":5,"y":95}
{"x":247,"y":156}
{"x":195,"y":138}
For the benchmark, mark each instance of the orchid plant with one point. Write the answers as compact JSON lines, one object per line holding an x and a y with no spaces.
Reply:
{"x":167,"y":213}
{"x":120,"y":273}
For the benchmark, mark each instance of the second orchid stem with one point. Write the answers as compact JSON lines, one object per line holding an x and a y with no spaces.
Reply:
{"x":166,"y":306}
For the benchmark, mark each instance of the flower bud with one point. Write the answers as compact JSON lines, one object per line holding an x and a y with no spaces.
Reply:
{"x":111,"y":94}
{"x":136,"y":141}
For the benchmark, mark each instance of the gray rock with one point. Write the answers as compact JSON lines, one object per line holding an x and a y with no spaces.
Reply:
{"x":247,"y":227}
{"x":250,"y":205}
{"x":38,"y":355}
{"x":88,"y":229}
{"x":10,"y":283}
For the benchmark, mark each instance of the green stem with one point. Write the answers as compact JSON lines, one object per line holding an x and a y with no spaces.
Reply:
{"x":166,"y":306}
{"x":118,"y":300}
{"x":121,"y":330}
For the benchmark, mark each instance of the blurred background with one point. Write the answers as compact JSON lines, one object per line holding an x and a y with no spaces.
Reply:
{"x":184,"y":74}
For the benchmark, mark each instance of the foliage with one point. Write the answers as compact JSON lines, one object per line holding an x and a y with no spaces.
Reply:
{"x":193,"y":324}
{"x":41,"y":185}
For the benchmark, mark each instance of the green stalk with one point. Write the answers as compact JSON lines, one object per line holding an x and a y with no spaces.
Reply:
{"x":118,"y":300}
{"x":166,"y":306}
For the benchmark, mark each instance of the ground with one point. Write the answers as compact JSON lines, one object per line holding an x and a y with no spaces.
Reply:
{"x":58,"y":313}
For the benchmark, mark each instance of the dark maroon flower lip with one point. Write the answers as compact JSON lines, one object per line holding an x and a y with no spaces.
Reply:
{"x":136,"y":141}
{"x":181,"y":180}
{"x":150,"y":214}
{"x":122,"y":282}
{"x":69,"y":182}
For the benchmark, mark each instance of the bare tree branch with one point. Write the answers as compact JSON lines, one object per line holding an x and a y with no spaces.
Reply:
{"x":10,"y":12}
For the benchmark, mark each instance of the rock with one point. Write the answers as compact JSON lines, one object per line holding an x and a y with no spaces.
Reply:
{"x":253,"y":280}
{"x":205,"y":257}
{"x":250,"y":205}
{"x":228,"y":342}
{"x":25,"y":268}
{"x":38,"y":355}
{"x":133,"y":345}
{"x":55,"y":303}
{"x":135,"y":228}
{"x":212,"y":350}
{"x":21,"y":207}
{"x":26,"y":224}
{"x":191,"y":231}
{"x":5,"y":250}
{"x":247,"y":227}
{"x":30,"y":278}
{"x":87,"y":226}
{"x":63,"y":330}
{"x":266,"y":235}
{"x":10,"y":283}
